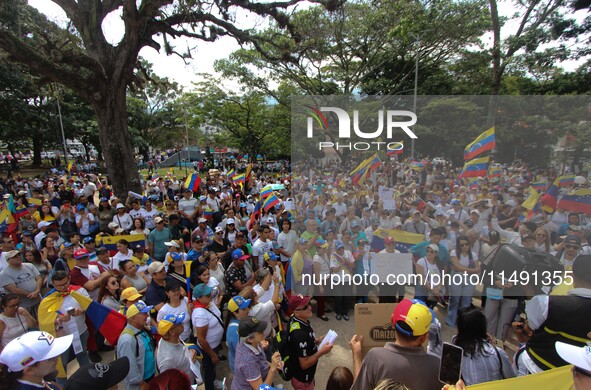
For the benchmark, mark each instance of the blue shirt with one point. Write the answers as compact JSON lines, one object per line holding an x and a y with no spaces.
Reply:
{"x":149,"y":358}
{"x":232,"y":340}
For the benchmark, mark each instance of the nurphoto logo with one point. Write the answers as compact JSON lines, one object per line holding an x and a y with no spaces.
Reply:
{"x":392,"y":120}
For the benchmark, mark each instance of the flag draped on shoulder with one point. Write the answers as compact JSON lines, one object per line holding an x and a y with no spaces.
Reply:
{"x":107,"y":321}
{"x":476,"y":167}
{"x":482,"y":143}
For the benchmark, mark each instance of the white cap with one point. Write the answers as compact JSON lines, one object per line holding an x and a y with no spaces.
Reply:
{"x":475,"y":212}
{"x":33,"y":347}
{"x":113,"y":225}
{"x":202,"y":220}
{"x":580,"y":180}
{"x":43,"y":224}
{"x":218,"y":229}
{"x":270,"y":220}
{"x":172,"y":243}
{"x":577,"y":356}
{"x":230,"y":220}
{"x":119,"y":206}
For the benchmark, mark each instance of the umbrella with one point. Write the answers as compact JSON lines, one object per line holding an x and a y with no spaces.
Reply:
{"x":277,"y":187}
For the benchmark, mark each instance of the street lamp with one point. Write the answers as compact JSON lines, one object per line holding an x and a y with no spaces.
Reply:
{"x":414,"y":100}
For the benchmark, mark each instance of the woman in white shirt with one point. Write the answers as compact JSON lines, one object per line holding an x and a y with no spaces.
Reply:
{"x":122,"y":218}
{"x":464,"y":262}
{"x":426,"y":268}
{"x":204,"y":276}
{"x":177,"y":305}
{"x":209,"y":329}
{"x":123,"y":252}
{"x":83,"y":221}
{"x":139,"y":227}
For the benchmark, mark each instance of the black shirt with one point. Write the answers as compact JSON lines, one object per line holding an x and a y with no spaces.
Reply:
{"x":302,"y":342}
{"x":232,"y":275}
{"x":216,"y":247}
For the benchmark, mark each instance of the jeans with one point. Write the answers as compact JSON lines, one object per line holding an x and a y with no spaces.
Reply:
{"x":460,"y":296}
{"x":208,"y":371}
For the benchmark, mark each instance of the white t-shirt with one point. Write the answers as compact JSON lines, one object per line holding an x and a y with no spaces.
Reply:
{"x":167,"y":309}
{"x":149,"y":218}
{"x":124,"y":221}
{"x":84,"y":229}
{"x":119,"y":257}
{"x":428,"y":270}
{"x":188,"y":206}
{"x":287,"y":241}
{"x":174,"y":356}
{"x":215,"y":330}
{"x":264,"y":312}
{"x":464,"y":260}
{"x":259,"y":249}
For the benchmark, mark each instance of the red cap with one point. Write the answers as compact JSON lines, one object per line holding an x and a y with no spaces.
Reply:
{"x":388,"y":240}
{"x":298,"y":301}
{"x":80,"y":253}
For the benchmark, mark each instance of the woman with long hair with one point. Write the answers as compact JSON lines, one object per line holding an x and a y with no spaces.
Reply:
{"x":48,"y":250}
{"x":105,"y":215}
{"x":34,"y":257}
{"x":44,"y":214}
{"x":14,"y":320}
{"x":109,"y":293}
{"x":169,"y":208}
{"x":230,"y":231}
{"x":177,"y":270}
{"x":542,"y":240}
{"x":204,"y":276}
{"x":216,"y":270}
{"x":132,"y":278}
{"x":139,"y":227}
{"x":464,"y":262}
{"x":483,"y":361}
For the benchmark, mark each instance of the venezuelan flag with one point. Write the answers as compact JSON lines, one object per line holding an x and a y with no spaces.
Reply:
{"x":495,"y":171}
{"x":375,"y":163}
{"x":248,"y":169}
{"x":550,"y":198}
{"x":7,"y":222}
{"x":539,"y":185}
{"x":482,"y":143}
{"x":271,"y":201}
{"x":37,"y":202}
{"x":532,"y":200}
{"x":208,"y":213}
{"x":417,"y":165}
{"x":390,"y":153}
{"x":404,"y":240}
{"x":239,"y":179}
{"x":193,"y":182}
{"x":476,"y":167}
{"x":231,"y":174}
{"x":255,"y":214}
{"x":578,"y":201}
{"x":566,"y":180}
{"x":556,"y":378}
{"x":110,"y":242}
{"x":266,"y":191}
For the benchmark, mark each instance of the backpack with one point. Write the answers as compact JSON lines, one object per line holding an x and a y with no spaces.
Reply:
{"x":281,"y":343}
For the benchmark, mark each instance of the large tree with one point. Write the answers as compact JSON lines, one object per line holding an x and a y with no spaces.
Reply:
{"x":80,"y":57}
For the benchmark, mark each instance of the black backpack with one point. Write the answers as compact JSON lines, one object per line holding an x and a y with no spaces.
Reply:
{"x":281,"y":344}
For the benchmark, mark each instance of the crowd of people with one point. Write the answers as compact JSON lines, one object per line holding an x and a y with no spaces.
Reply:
{"x":218,"y":273}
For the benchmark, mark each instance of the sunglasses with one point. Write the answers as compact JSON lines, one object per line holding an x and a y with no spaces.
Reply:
{"x":218,"y":234}
{"x":571,"y":246}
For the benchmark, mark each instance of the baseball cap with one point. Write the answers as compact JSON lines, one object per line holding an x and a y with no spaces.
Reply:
{"x":271,"y":220}
{"x":43,"y":224}
{"x":119,"y":206}
{"x":113,"y":225}
{"x":375,"y":221}
{"x":298,"y":301}
{"x":572,"y":240}
{"x":120,"y":231}
{"x":238,"y":302}
{"x":175,"y":256}
{"x":201,"y":290}
{"x":137,"y":308}
{"x":12,"y":254}
{"x":230,"y":221}
{"x":239,"y":254}
{"x":98,"y":376}
{"x":80,"y":253}
{"x":172,"y":244}
{"x":303,"y":240}
{"x":250,"y":325}
{"x":155,"y":267}
{"x":433,"y":247}
{"x":577,"y":356}
{"x":103,"y":199}
{"x":389,"y":240}
{"x":172,"y":285}
{"x":202,"y":198}
{"x":130,"y":294}
{"x":339,"y":244}
{"x":88,"y":239}
{"x":158,"y":220}
{"x":412,"y":317}
{"x":455,"y":202}
{"x":170,"y":320}
{"x":80,"y":207}
{"x":320,"y":243}
{"x":270,"y":256}
{"x":475,"y":212}
{"x":138,"y":248}
{"x":33,"y":347}
{"x":219,"y":230}
{"x":202,"y":220}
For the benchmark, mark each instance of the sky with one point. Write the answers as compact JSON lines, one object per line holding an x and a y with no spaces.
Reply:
{"x":205,"y":53}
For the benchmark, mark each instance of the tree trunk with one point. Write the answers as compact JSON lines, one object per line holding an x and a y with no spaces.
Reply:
{"x":36,"y":152}
{"x":111,"y":113}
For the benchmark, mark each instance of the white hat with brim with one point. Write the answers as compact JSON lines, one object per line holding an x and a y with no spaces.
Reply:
{"x":33,"y":347}
{"x":577,"y":356}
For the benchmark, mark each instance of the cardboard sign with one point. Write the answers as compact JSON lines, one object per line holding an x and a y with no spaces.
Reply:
{"x":390,"y":265}
{"x":373,"y":321}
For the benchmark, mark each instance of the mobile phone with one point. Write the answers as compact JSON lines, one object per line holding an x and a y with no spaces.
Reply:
{"x":71,"y":311}
{"x":450,"y":368}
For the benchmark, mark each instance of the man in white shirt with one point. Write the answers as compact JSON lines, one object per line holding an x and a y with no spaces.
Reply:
{"x":287,"y":240}
{"x":188,"y":207}
{"x":262,"y":245}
